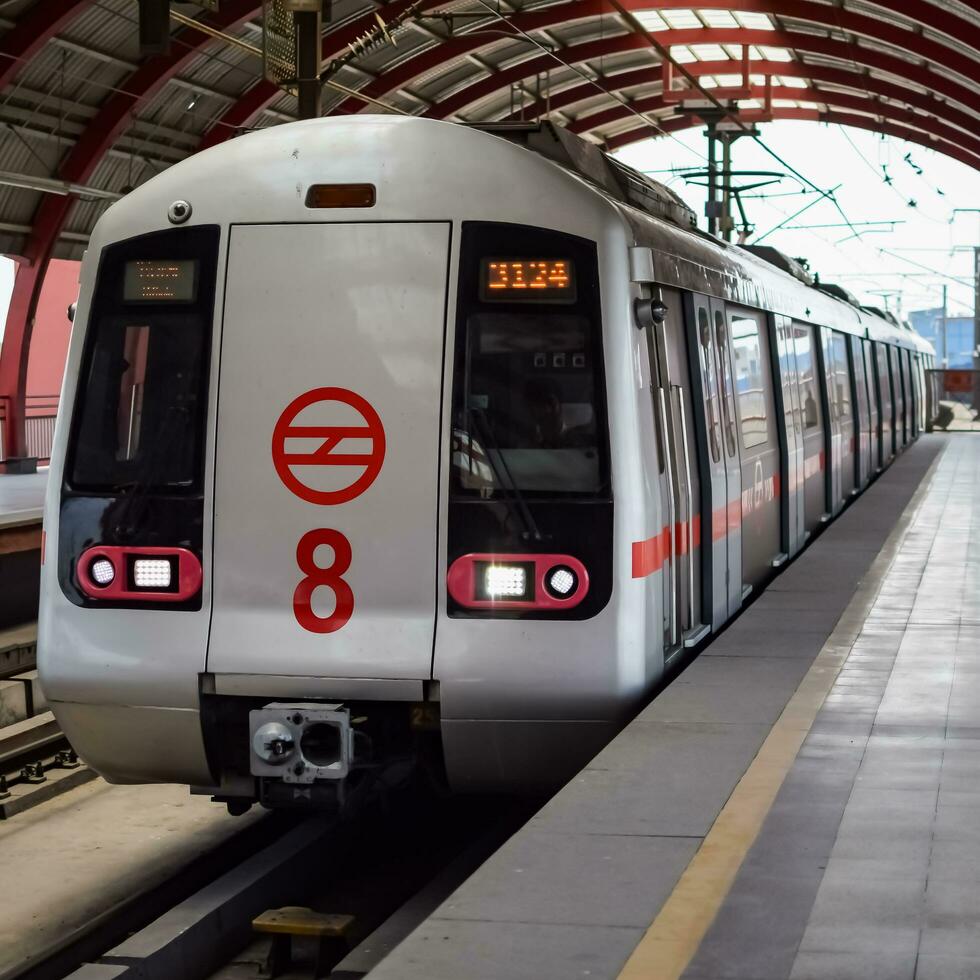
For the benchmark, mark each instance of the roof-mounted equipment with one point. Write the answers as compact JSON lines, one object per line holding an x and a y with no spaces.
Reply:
{"x":589,"y":161}
{"x":781,"y":261}
{"x":839,"y":292}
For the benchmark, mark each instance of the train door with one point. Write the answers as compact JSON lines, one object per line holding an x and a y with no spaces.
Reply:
{"x":789,"y":408}
{"x":903,"y":368}
{"x":920,"y":362}
{"x":758,"y":443}
{"x":833,"y":433}
{"x":843,"y":383}
{"x":898,"y":397}
{"x":814,"y":419}
{"x":915,"y":371}
{"x":720,"y":487}
{"x":887,"y":402}
{"x":733,"y":510}
{"x":912,"y":402}
{"x":874,"y":409}
{"x":327,"y":455}
{"x":674,"y":410}
{"x":862,"y":417}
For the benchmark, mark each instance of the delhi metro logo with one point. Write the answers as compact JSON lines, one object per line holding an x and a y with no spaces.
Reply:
{"x":328,"y":446}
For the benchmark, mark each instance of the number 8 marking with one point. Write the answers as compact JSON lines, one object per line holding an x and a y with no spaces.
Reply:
{"x":330,"y":576}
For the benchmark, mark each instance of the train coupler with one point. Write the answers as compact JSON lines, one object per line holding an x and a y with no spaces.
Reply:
{"x":301,"y":743}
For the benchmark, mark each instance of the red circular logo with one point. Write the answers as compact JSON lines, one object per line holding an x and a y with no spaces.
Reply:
{"x":334,"y":405}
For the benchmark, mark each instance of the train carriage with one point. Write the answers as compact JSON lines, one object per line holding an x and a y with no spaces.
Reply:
{"x":394,"y":438}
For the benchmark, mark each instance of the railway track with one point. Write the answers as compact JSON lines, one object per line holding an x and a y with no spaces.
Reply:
{"x":386,"y":866}
{"x":36,"y":764}
{"x":36,"y":761}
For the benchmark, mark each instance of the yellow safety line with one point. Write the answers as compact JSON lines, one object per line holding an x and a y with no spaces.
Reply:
{"x":670,"y":943}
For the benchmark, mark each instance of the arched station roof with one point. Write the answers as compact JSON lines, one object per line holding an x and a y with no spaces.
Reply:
{"x":84,"y":118}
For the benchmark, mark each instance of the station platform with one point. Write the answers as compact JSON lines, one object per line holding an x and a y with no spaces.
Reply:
{"x":22,"y":498}
{"x":800,"y":804}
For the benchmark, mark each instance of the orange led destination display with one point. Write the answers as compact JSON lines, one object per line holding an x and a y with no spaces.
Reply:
{"x":528,"y":280}
{"x":160,"y":281}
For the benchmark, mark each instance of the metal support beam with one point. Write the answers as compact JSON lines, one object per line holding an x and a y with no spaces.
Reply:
{"x":858,"y":82}
{"x":32,"y":32}
{"x":48,"y":185}
{"x":882,"y":124}
{"x":535,"y":20}
{"x":154,"y":27}
{"x":308,"y":27}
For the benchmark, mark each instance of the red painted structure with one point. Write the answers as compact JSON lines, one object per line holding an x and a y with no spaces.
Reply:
{"x":48,"y":351}
{"x":943,"y":84}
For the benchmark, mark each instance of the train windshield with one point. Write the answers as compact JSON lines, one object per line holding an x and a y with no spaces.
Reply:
{"x":529,"y":406}
{"x":139,"y":418}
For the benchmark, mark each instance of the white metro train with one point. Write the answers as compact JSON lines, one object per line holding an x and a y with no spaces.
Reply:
{"x":389,"y":438}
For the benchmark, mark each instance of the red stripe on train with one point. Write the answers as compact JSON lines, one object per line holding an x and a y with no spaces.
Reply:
{"x":649,"y":555}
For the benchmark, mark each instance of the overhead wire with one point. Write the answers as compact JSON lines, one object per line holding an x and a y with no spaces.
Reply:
{"x":642,"y":116}
{"x":887,"y":182}
{"x":253,"y":49}
{"x":638,"y":27}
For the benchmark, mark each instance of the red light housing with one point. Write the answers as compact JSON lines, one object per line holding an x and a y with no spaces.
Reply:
{"x":523,"y":581}
{"x":185,"y":578}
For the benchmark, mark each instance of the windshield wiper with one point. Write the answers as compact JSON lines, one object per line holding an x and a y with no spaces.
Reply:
{"x":513,"y":497}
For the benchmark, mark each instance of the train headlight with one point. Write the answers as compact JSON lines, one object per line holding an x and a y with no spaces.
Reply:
{"x":152,"y":573}
{"x":102,"y":571}
{"x":505,"y":581}
{"x":520,"y":583}
{"x":561,"y":581}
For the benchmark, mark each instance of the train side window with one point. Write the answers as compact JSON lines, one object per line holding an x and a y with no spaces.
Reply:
{"x":881,"y":376}
{"x":750,"y":381}
{"x":860,"y":384}
{"x":704,"y":337}
{"x":725,"y":377}
{"x":869,"y":370}
{"x":827,"y":343}
{"x":131,"y":387}
{"x":808,"y":384}
{"x":842,"y":376}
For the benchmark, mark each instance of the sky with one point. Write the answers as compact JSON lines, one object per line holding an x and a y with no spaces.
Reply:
{"x":928,"y":245}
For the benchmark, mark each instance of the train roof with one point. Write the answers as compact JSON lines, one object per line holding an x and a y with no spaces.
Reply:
{"x":271,"y":165}
{"x":763,"y":276}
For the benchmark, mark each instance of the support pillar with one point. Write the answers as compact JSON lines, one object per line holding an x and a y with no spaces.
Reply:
{"x":48,"y":220}
{"x":976,"y":327}
{"x":725,"y":221}
{"x":14,"y":353}
{"x":711,"y":208}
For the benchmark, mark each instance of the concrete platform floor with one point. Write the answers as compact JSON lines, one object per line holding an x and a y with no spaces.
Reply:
{"x":802,"y":803}
{"x":22,"y":497}
{"x":76,"y":858}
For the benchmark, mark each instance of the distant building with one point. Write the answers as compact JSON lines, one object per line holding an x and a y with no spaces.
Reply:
{"x":959,"y":343}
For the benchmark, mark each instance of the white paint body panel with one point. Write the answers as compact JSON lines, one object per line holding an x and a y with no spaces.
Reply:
{"x":359,"y":307}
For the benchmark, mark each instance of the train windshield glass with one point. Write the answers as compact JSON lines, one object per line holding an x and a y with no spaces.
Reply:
{"x":531,"y":405}
{"x":529,"y":412}
{"x":139,"y":410}
{"x":139,"y":418}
